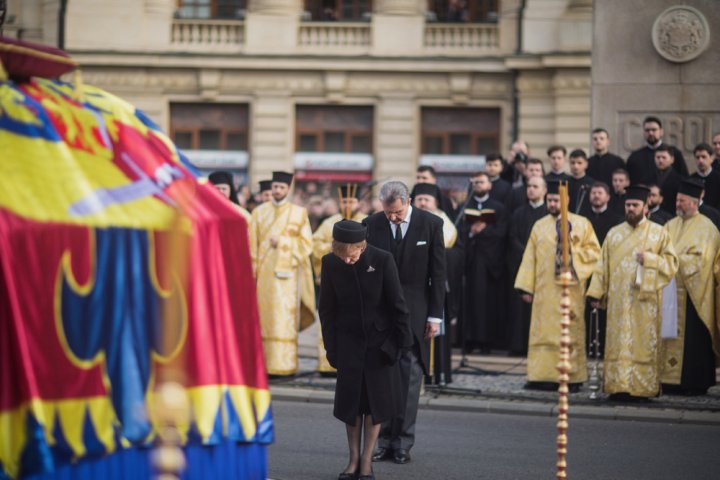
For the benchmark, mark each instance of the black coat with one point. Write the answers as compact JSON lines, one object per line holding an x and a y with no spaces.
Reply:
{"x":660,"y":216}
{"x":669,"y":183}
{"x":485,"y":275}
{"x":421,"y":264}
{"x":500,"y":190}
{"x":365,"y":325}
{"x":712,"y":187}
{"x":641,"y":165}
{"x":602,"y":167}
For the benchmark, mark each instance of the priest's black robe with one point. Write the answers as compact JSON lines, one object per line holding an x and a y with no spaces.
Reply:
{"x":519,"y":312}
{"x":669,"y":183}
{"x":516,"y":198}
{"x":660,"y":216}
{"x":500,"y":190}
{"x":601,"y":167}
{"x":579,"y":192}
{"x":483,"y":319}
{"x":710,"y":212}
{"x":712,"y":187}
{"x":557,"y":177}
{"x":698,"y":362}
{"x":641,"y":165}
{"x":617,"y":203}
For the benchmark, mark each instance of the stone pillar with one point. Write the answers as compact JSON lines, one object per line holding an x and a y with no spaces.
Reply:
{"x":271,"y":26}
{"x":572,"y":90}
{"x":398,"y":27}
{"x":657,"y":58}
{"x":396,"y":137}
{"x":537,"y":111}
{"x":272,"y":134}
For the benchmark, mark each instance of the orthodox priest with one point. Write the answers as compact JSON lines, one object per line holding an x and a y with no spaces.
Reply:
{"x":538,"y":280}
{"x":322,"y":244}
{"x":521,"y":225}
{"x":637,"y":262}
{"x":691,"y":345}
{"x":485,"y":288}
{"x":280,"y":247}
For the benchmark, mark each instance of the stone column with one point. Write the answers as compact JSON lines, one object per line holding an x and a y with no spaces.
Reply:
{"x":537,"y":111}
{"x":572,"y":89}
{"x":271,"y":26}
{"x":398,"y":27}
{"x":272,"y":134}
{"x":396,"y":137}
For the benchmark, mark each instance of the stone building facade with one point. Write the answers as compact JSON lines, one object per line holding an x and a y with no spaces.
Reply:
{"x":370,"y":91}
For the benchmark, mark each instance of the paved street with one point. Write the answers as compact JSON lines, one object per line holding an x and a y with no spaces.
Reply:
{"x":310,"y":445}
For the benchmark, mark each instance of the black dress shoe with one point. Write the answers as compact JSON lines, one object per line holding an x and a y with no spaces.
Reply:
{"x":366,"y":477}
{"x":348,"y":476}
{"x":401,"y":456}
{"x":382,"y":454}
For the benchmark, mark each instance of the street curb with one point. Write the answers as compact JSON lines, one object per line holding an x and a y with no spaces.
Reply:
{"x":512,"y":407}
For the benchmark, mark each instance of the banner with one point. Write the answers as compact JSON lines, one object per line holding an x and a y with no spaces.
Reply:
{"x":91,"y":195}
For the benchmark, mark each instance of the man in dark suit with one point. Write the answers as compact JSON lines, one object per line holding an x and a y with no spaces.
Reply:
{"x":640,"y":163}
{"x":415,"y":239}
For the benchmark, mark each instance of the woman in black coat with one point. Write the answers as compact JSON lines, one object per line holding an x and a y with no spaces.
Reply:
{"x":365,"y":325}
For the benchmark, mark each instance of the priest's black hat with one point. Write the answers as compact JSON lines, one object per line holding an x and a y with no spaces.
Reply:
{"x":282,"y":177}
{"x":692,"y":187}
{"x":220,"y":177}
{"x":347,"y":231}
{"x":553,"y":187}
{"x":348,"y":190}
{"x":637,"y":192}
{"x":426,"y":189}
{"x":265,"y":185}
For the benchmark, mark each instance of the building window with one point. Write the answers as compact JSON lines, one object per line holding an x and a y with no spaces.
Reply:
{"x":342,"y":10}
{"x":460,"y":131}
{"x":334,"y":129}
{"x":209,"y":126}
{"x":464,"y":11}
{"x":205,"y":9}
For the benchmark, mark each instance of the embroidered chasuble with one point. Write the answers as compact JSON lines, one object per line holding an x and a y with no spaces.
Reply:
{"x":321,"y":244}
{"x":696,"y":242}
{"x":286,"y":298}
{"x":536,"y":276}
{"x":633,"y":296}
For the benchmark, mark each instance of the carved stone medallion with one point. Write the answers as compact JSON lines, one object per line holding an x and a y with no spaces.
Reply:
{"x":680,"y":34}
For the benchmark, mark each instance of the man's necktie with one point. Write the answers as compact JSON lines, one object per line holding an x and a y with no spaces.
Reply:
{"x":398,"y":234}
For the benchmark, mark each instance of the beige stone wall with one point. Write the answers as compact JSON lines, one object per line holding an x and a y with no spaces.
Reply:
{"x":396,"y":63}
{"x":632,"y":80}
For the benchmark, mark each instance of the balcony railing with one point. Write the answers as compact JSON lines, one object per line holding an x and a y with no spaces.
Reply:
{"x":351,"y":38}
{"x":228,"y":36}
{"x":208,"y":35}
{"x":455,"y":38}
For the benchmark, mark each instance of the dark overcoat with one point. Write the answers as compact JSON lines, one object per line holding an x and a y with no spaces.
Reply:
{"x":420,"y":258}
{"x":365,"y":325}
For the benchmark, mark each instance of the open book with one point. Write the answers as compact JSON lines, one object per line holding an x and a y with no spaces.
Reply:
{"x":486,"y":215}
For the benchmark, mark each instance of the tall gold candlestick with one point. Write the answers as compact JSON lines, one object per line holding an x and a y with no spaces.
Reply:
{"x":563,"y":365}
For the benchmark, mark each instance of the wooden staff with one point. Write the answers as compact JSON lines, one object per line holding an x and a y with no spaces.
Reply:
{"x":432,"y":360}
{"x":563,"y":365}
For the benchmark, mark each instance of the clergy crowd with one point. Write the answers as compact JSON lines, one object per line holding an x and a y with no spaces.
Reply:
{"x":644,"y":250}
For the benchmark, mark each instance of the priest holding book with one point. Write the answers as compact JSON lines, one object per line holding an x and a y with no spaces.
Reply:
{"x":484,"y":233}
